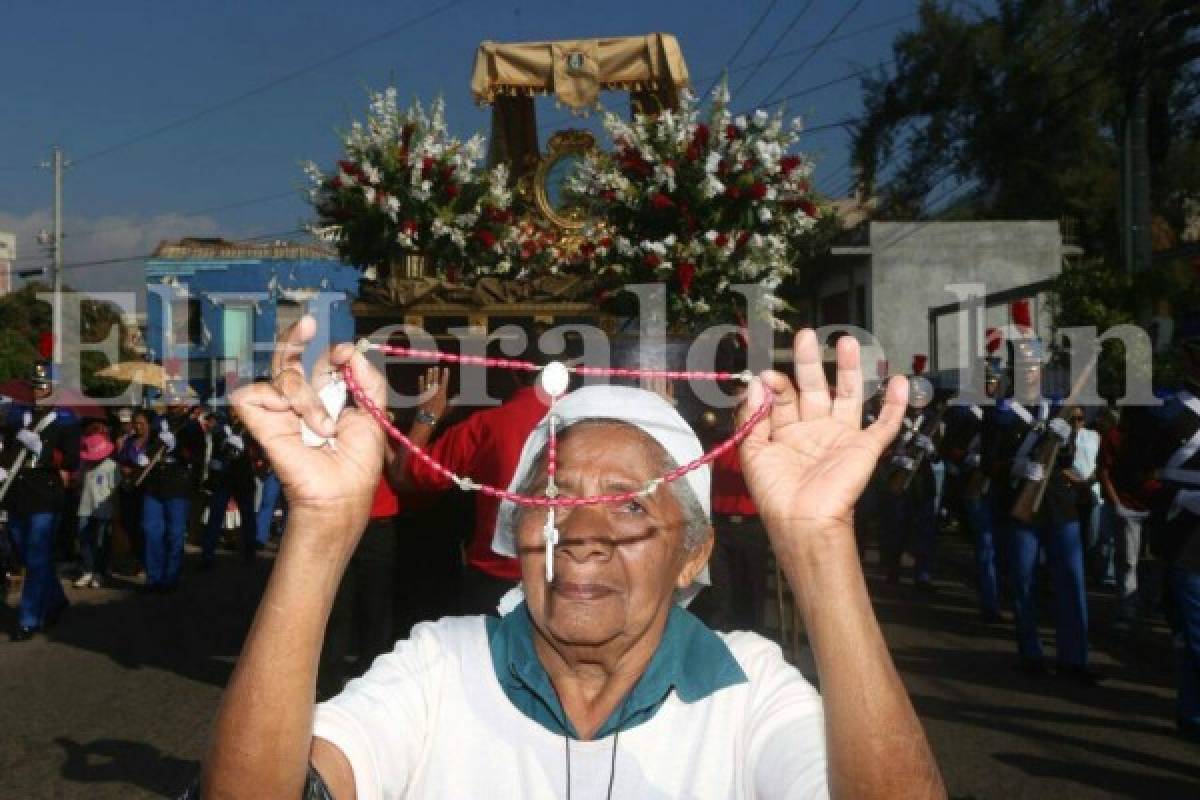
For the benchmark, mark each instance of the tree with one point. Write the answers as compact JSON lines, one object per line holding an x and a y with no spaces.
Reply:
{"x":24,"y":318}
{"x":1026,"y":104}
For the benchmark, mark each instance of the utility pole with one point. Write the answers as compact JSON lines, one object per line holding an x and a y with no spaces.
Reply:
{"x":55,"y":240}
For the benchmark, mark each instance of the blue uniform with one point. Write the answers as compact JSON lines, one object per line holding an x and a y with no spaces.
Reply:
{"x":1172,"y":490}
{"x":1055,"y":527}
{"x":35,"y":501}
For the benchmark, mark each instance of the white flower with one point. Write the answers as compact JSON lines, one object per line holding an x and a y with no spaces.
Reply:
{"x":764,"y":215}
{"x":371,"y":173}
{"x":771,"y":193}
{"x":712,"y":163}
{"x":669,"y":241}
{"x":710,"y":236}
{"x":761,"y":117}
{"x":369,"y":195}
{"x":712,"y":187}
{"x":658,"y":248}
{"x":740,"y":122}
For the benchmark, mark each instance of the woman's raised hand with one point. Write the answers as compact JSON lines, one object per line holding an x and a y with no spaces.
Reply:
{"x":337,"y":481}
{"x":807,"y":463}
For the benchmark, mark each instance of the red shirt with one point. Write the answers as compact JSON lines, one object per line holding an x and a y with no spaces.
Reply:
{"x":484,"y":447}
{"x":384,"y":504}
{"x":729,"y":492}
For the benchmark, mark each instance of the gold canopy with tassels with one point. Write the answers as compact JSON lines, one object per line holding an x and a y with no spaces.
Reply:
{"x":508,"y":76}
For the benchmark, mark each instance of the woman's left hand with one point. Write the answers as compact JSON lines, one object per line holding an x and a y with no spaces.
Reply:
{"x":807,"y":463}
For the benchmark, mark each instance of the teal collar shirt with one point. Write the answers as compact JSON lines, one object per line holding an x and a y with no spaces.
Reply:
{"x":691,"y":660}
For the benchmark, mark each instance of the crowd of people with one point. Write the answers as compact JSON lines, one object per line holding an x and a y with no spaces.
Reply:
{"x":76,"y":482}
{"x":1100,"y":499}
{"x":1081,"y":494}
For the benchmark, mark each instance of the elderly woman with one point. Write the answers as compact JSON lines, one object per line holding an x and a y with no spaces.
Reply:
{"x":597,"y":684}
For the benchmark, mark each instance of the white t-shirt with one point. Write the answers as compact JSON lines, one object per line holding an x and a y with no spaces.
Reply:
{"x":95,"y":495}
{"x":430,"y":720}
{"x":1087,"y":448}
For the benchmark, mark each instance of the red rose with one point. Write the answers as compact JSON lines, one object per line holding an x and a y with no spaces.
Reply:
{"x":608,"y":195}
{"x":733,"y":192}
{"x":808,"y":208}
{"x":789,"y":163}
{"x":606,"y":242}
{"x":742,"y":238}
{"x":700,"y":139}
{"x":721,"y":240}
{"x":452,"y":190}
{"x":661,"y":201}
{"x":731,"y":132}
{"x":692,"y":153}
{"x":485,"y":237}
{"x":409,"y":227}
{"x":652,"y":260}
{"x":348,"y":167}
{"x":687,"y":274}
{"x":336,"y":183}
{"x":758,"y":191}
{"x":722,"y":167}
{"x":427,"y":166}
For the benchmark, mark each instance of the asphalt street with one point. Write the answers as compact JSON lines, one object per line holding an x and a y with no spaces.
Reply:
{"x":116,"y":701}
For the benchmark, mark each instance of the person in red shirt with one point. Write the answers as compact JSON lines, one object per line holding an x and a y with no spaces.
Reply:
{"x":738,"y":566}
{"x":363,"y":607}
{"x":485,"y":447}
{"x":1125,"y":511}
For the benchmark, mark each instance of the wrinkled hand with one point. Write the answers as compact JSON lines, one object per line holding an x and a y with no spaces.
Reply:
{"x":336,"y":482}
{"x":433,"y":388}
{"x":807,"y":463}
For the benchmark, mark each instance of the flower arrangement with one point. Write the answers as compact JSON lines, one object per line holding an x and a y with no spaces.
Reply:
{"x":700,"y":202}
{"x":406,"y":185}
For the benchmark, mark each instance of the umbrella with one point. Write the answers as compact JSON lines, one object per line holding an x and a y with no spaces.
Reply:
{"x":144,"y":372}
{"x":21,"y":391}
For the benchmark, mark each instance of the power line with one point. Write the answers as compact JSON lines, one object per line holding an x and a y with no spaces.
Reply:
{"x":265,"y":87}
{"x":824,"y":41}
{"x":251,"y":201}
{"x":742,"y":46}
{"x":817,"y":45}
{"x":775,"y":45}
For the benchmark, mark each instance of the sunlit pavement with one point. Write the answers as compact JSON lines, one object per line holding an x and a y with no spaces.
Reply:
{"x":115,"y":702}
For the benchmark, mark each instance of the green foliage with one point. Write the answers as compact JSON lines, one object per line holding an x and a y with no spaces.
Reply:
{"x":23,"y":319}
{"x":1025,"y":104}
{"x":1099,"y":295}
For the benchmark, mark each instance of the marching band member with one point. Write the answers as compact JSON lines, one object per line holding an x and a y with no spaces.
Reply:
{"x":45,"y":450}
{"x":1022,"y":423}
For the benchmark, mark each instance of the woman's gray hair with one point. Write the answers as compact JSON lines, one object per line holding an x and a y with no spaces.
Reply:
{"x":696,"y":524}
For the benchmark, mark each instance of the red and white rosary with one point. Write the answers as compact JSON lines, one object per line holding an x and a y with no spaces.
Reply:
{"x":554,"y":380}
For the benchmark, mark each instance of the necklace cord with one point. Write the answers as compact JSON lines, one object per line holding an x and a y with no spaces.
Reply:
{"x":547,"y":500}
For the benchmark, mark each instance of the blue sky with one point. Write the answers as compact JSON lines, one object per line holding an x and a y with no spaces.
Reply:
{"x":94,"y":76}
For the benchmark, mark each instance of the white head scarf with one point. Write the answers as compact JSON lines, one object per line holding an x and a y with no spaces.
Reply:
{"x":644,"y":410}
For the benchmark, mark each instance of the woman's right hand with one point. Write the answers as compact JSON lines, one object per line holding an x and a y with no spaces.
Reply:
{"x":331,"y":482}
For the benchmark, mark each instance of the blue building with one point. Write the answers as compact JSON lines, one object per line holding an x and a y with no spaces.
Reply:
{"x":214,"y":307}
